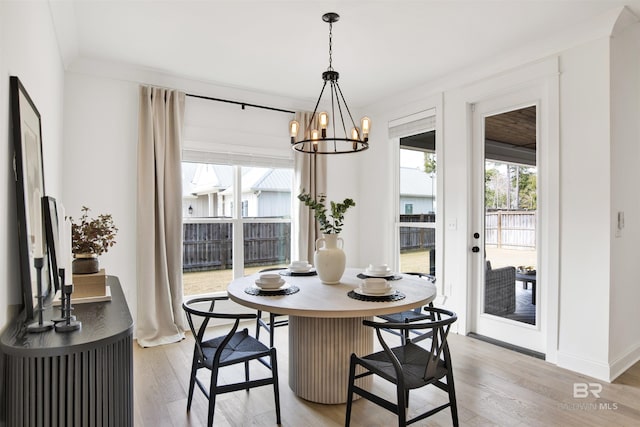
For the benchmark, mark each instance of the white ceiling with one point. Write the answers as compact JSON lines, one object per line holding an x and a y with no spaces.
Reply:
{"x":281,"y":47}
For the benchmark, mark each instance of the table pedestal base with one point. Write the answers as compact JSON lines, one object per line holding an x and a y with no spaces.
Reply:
{"x":320,"y":349}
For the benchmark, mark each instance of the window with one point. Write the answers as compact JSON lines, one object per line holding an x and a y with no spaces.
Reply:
{"x":221,"y":243}
{"x":418,"y":202}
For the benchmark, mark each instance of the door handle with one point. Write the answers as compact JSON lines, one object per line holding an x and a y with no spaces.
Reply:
{"x":475,"y":249}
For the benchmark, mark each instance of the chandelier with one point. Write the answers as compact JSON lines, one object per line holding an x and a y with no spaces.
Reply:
{"x":316,"y":139}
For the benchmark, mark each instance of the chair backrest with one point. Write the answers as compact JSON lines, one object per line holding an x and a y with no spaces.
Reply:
{"x":438,"y":326}
{"x":198,"y":333}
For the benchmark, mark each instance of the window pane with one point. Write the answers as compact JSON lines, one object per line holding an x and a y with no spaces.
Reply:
{"x":266,"y":192}
{"x":418,"y":203}
{"x":207,"y":190}
{"x":266,"y":245}
{"x":207,"y":262}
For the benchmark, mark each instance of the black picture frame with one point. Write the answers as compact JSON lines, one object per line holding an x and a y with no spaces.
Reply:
{"x":29,"y":176}
{"x":52,"y":237}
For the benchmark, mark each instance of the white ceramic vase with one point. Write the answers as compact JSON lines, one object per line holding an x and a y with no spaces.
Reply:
{"x":329,"y":259}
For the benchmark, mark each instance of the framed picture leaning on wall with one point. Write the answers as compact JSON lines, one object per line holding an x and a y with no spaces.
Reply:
{"x":29,"y":175}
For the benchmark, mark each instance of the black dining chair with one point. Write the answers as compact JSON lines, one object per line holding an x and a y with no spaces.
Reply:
{"x":410,"y":315}
{"x":227,"y":350}
{"x":273,"y":321}
{"x":409,"y":366}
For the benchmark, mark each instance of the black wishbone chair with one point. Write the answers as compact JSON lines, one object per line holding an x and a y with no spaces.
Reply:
{"x":408,"y":366}
{"x":233,"y":348}
{"x":273,"y":322}
{"x":410,"y":316}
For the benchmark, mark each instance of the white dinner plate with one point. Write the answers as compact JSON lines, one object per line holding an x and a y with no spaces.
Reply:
{"x":372,"y":274}
{"x":281,"y":288}
{"x":301,"y":270}
{"x":377,"y":294}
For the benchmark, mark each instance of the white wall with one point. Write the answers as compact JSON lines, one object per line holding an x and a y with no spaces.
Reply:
{"x":100,"y":153}
{"x":625,"y":175}
{"x":28,"y":50}
{"x":585,"y":231}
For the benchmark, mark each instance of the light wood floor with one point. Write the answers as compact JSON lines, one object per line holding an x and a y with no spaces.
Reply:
{"x":494,"y":386}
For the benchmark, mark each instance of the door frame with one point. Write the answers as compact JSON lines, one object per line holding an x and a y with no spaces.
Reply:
{"x":540,"y":85}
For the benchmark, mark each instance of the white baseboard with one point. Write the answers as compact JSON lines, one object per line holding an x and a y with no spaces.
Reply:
{"x":592,"y":368}
{"x":619,"y":366}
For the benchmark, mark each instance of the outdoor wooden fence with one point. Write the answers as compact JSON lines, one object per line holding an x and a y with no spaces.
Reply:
{"x":511,"y":229}
{"x":208,"y":246}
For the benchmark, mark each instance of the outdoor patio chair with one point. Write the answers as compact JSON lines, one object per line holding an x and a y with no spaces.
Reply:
{"x":499,"y":290}
{"x":410,"y":316}
{"x":408,"y":366}
{"x":235,"y":347}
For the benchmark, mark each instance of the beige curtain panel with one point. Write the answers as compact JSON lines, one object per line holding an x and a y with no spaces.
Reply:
{"x":311,"y":176}
{"x":160,"y":318}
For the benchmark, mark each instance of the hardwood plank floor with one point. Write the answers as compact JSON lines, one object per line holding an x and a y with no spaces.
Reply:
{"x":494,"y":386}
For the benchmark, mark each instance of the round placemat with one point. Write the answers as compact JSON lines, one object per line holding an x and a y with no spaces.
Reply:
{"x":288,"y":272}
{"x":256,"y":291}
{"x":375,"y":298}
{"x":392,"y":277}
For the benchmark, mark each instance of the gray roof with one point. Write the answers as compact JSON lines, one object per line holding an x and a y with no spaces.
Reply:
{"x":274,"y":180}
{"x":414,"y":182}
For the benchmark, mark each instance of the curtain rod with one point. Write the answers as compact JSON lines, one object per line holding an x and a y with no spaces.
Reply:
{"x":243,"y":104}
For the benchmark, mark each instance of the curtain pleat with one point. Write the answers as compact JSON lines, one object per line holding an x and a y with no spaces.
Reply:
{"x":311,"y":176}
{"x":160,"y":318}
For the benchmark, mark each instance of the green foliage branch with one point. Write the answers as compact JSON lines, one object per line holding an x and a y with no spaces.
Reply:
{"x":332,"y":223}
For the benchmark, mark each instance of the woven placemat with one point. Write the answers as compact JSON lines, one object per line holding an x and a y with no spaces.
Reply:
{"x":257,"y":291}
{"x":377,"y":298}
{"x":288,"y":272}
{"x":392,"y":277}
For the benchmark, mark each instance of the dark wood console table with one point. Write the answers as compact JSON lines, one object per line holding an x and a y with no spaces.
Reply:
{"x":79,"y":378}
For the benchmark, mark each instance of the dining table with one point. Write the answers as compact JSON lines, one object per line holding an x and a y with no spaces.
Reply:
{"x":325,"y":323}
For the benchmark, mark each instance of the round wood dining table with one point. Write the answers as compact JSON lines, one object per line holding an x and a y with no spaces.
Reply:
{"x":325,"y":326}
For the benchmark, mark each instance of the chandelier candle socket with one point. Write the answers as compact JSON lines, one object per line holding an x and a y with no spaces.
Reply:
{"x":318,"y":141}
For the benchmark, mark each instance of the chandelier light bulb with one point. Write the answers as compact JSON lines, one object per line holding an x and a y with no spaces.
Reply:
{"x":315,"y":135}
{"x":294,"y":127}
{"x":366,"y":127}
{"x":323,"y":118}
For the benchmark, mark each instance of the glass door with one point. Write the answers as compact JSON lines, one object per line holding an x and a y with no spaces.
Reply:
{"x":505,"y":234}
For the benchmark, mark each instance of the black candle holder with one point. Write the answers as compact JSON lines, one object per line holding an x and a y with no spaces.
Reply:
{"x":69,"y":323}
{"x":63,"y":300}
{"x":40,"y":325}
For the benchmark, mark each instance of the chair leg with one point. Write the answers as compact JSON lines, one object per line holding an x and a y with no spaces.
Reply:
{"x":452,"y":397}
{"x":212,"y":396}
{"x":402,"y":406}
{"x":259,"y":314}
{"x":272,"y":329}
{"x":276,"y":388}
{"x":352,"y":374}
{"x":246,"y":373}
{"x":192,"y":380}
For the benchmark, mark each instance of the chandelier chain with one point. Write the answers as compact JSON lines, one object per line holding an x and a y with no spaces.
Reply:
{"x":330,"y":46}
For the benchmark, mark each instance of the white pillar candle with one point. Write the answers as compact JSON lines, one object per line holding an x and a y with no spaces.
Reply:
{"x":68,"y":277}
{"x":37,"y":223}
{"x":64,"y":246}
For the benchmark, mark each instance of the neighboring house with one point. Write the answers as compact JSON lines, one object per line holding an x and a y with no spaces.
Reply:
{"x":208,"y":191}
{"x":417,"y":190}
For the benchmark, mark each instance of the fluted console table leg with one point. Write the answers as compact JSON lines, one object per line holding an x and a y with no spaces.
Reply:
{"x":319,"y":352}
